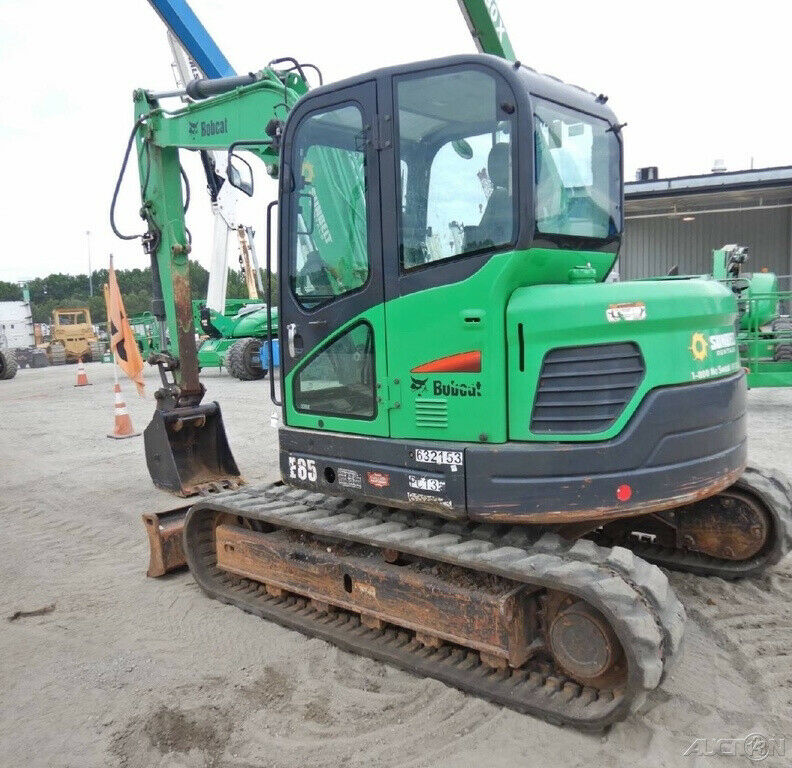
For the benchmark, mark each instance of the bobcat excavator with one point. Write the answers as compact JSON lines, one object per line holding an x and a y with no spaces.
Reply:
{"x":485,"y":447}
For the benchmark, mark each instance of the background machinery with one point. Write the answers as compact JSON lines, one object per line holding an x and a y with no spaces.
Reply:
{"x":73,"y":337}
{"x":764,"y":327}
{"x":8,"y":360}
{"x":146,"y":330}
{"x":237,"y":336}
{"x":18,"y":336}
{"x":232,"y":332}
{"x":483,"y":442}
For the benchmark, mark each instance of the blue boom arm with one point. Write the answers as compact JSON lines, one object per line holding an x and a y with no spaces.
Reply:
{"x":188,"y":30}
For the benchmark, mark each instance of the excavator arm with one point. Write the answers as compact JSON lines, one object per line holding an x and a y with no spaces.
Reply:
{"x":186,"y":448}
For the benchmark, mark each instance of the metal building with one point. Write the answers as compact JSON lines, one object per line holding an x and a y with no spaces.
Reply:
{"x":679,"y":221}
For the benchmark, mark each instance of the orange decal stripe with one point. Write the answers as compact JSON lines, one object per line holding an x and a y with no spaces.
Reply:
{"x":464,"y":362}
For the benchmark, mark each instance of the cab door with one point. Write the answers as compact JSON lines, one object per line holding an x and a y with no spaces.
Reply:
{"x":331,"y":314}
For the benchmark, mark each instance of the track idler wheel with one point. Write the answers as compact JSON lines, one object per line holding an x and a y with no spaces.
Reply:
{"x":582,"y":642}
{"x":741,"y":531}
{"x":733,"y":525}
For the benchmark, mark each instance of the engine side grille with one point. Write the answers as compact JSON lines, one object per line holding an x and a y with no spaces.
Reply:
{"x":583,"y":390}
{"x":431,"y":412}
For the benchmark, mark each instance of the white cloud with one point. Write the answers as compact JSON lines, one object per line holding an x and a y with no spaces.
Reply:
{"x":694,"y":80}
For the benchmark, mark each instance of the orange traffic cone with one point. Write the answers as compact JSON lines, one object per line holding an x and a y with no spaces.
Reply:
{"x":123,"y":424}
{"x":82,"y":376}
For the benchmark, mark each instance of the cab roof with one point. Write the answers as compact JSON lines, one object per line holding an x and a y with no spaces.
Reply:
{"x":519,"y":76}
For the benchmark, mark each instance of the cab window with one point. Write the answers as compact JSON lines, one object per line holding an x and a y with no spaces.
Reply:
{"x":456,"y":165}
{"x":578,"y":173}
{"x":340,"y":379}
{"x":329,"y":247}
{"x":72,"y":318}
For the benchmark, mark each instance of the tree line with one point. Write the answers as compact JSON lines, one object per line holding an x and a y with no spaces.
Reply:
{"x":59,"y":290}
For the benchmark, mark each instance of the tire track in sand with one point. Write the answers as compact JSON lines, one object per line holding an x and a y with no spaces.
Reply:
{"x":753,"y":620}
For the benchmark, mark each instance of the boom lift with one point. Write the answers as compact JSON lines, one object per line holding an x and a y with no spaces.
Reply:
{"x":235,"y":330}
{"x":764,"y":329}
{"x":472,"y":417}
{"x":222,"y":195}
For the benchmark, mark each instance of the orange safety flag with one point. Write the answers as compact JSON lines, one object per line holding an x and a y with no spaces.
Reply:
{"x":122,"y":340}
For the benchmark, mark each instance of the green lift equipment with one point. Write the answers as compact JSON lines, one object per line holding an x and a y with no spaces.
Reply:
{"x":764,"y":327}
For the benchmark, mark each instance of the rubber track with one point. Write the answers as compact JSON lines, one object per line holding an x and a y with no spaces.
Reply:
{"x":774,"y":489}
{"x":633,"y":595}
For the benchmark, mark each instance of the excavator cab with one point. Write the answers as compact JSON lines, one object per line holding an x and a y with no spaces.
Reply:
{"x":451,"y":344}
{"x":449,"y":341}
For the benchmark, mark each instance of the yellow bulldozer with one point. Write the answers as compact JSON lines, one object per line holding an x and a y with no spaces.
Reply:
{"x":73,"y":337}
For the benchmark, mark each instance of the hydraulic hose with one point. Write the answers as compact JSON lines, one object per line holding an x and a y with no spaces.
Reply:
{"x":113,"y":226}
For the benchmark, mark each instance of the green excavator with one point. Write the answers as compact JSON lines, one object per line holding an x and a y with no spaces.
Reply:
{"x":485,"y":447}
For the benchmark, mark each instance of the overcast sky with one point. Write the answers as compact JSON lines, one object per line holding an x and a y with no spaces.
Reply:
{"x":695,"y":80}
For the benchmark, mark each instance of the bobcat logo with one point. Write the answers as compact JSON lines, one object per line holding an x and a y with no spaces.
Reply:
{"x":192,"y":128}
{"x":418,"y":385}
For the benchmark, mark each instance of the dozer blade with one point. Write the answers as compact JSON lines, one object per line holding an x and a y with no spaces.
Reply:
{"x":165,"y":533}
{"x":187,"y":451}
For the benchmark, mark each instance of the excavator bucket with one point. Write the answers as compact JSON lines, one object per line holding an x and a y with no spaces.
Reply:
{"x":187,"y":451}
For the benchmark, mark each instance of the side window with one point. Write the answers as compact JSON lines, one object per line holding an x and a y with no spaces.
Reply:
{"x":456,"y":140}
{"x":339,"y":380}
{"x":578,"y":173}
{"x":329,"y":243}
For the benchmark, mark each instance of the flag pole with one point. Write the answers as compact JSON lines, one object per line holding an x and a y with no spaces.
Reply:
{"x":126,"y":351}
{"x":107,"y":309}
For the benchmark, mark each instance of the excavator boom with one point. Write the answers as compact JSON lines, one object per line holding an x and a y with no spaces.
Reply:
{"x":186,"y":448}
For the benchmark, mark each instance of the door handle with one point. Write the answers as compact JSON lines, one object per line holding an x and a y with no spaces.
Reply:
{"x":291,"y":330}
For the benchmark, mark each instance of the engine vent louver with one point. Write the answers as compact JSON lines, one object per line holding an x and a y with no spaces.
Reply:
{"x":431,"y":412}
{"x":583,"y":390}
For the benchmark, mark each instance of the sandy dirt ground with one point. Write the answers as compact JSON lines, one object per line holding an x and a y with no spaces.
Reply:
{"x":130,"y":671}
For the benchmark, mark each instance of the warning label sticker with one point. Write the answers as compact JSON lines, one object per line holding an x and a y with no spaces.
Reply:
{"x":348,"y":478}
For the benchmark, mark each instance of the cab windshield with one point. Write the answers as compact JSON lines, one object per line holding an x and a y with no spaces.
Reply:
{"x":578,"y":173}
{"x":72,"y":318}
{"x":455,"y":165}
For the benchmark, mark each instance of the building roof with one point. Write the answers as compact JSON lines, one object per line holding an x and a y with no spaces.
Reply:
{"x":760,"y":178}
{"x":733,"y":191}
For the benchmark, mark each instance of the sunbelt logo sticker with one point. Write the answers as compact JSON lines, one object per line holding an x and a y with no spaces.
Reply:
{"x":712,"y":349}
{"x":723,"y":343}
